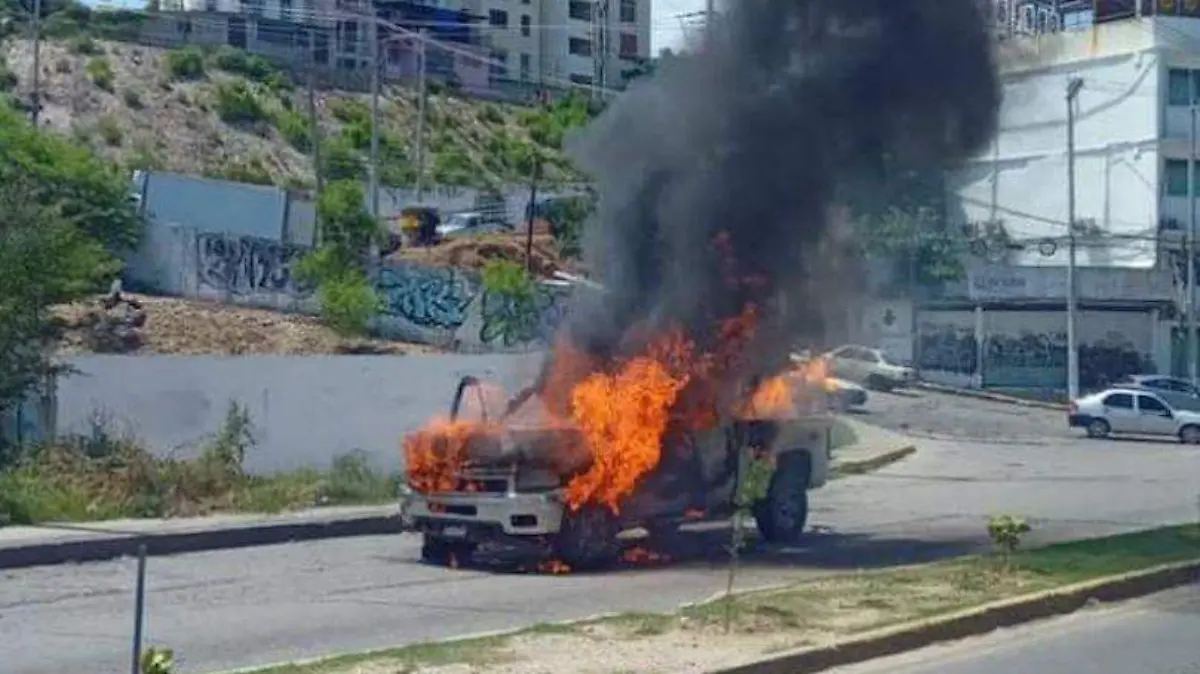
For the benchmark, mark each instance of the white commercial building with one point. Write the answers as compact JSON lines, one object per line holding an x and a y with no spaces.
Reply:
{"x":563,"y":42}
{"x":1140,"y":76}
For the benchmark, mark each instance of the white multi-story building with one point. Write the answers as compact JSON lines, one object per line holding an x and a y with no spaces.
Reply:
{"x":562,"y":42}
{"x":1140,"y":76}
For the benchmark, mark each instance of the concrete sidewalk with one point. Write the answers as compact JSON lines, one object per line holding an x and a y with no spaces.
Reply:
{"x":25,"y":546}
{"x":876,"y":447}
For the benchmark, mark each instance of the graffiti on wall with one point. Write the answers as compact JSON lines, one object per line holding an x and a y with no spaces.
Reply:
{"x":947,"y":348}
{"x":1029,"y":359}
{"x":509,"y":321}
{"x":245,"y":265}
{"x":426,"y":296}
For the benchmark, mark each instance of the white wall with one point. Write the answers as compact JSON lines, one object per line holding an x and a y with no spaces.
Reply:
{"x":1022,"y":179}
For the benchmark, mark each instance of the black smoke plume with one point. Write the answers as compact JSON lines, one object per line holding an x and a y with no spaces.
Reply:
{"x":755,"y":137}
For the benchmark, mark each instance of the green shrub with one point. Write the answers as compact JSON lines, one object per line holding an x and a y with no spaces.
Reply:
{"x":340,"y":161}
{"x":132,"y":98}
{"x":85,"y":46}
{"x":101,"y":73}
{"x":505,"y":277}
{"x":186,"y":63}
{"x":251,"y":171}
{"x":237,"y":104}
{"x":295,"y":128}
{"x":110,"y":130}
{"x":350,"y":111}
{"x":241,"y":62}
{"x":8,"y":79}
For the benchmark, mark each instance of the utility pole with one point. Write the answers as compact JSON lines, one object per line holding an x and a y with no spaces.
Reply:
{"x":36,"y":94}
{"x":531,"y":214}
{"x":1073,"y":87}
{"x":420,"y":142}
{"x":710,"y":11}
{"x":1190,"y":248}
{"x":373,"y":164}
{"x":315,"y":124}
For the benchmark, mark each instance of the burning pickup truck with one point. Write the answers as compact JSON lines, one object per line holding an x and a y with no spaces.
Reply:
{"x":514,"y":481}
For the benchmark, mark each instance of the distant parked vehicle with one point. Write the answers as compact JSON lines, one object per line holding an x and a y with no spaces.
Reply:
{"x":469,"y":224}
{"x":868,"y":366}
{"x":1176,"y":391}
{"x":1133,"y":410}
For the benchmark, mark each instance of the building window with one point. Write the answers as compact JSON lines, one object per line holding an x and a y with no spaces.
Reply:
{"x":1183,"y":87}
{"x":629,"y":11}
{"x":285,"y":10}
{"x":582,"y":79}
{"x":629,"y":45}
{"x":350,"y":37}
{"x":526,"y":66}
{"x":526,"y":25}
{"x":499,"y":65}
{"x":580,"y":9}
{"x":1175,"y":178}
{"x":579,"y":46}
{"x":498,"y":17}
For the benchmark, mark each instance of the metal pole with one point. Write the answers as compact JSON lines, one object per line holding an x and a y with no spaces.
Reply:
{"x":1073,"y":87}
{"x":373,"y":164}
{"x":1191,"y":250}
{"x":531,"y":215}
{"x":420,"y":142}
{"x":710,"y":10}
{"x":315,"y":122}
{"x":139,"y":609}
{"x":36,"y":94}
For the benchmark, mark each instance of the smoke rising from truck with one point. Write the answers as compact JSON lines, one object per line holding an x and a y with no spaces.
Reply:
{"x":717,"y":235}
{"x":731,"y":161}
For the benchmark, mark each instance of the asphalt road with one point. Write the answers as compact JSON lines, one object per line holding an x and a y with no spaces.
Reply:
{"x":937,"y":415}
{"x":1156,"y":635}
{"x":221,"y":610}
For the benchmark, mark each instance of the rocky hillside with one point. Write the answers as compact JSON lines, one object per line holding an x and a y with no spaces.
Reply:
{"x":223,"y":113}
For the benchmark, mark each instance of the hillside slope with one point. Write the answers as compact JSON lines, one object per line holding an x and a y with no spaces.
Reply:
{"x":225,"y":114}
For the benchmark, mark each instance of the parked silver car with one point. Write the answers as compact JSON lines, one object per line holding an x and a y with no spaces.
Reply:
{"x":1135,"y":411}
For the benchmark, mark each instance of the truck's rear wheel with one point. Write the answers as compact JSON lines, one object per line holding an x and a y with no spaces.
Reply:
{"x":445,"y":552}
{"x":588,"y":539}
{"x":783,"y":514}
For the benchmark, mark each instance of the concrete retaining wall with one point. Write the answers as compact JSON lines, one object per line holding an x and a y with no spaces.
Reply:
{"x":306,"y":410}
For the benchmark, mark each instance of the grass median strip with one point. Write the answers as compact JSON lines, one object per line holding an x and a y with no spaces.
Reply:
{"x":810,"y":613}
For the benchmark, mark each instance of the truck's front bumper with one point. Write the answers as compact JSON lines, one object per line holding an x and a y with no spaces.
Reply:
{"x":482,"y":515}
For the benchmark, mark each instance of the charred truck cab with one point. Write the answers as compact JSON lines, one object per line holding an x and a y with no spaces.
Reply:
{"x":510,"y":501}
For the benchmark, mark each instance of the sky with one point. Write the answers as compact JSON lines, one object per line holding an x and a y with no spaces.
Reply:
{"x":666,"y":29}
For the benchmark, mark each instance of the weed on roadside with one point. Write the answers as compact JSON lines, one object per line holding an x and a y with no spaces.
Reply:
{"x":105,"y":475}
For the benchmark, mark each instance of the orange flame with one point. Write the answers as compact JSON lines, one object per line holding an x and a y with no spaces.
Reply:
{"x":435,"y":455}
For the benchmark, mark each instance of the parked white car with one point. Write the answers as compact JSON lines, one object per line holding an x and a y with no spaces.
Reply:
{"x":1133,"y":411}
{"x":868,"y":366}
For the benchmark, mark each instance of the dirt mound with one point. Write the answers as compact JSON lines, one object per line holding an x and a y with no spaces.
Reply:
{"x":163,"y":325}
{"x":473,"y":252}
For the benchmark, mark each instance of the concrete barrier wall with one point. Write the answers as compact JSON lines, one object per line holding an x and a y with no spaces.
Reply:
{"x":432,"y":305}
{"x":305,"y":410}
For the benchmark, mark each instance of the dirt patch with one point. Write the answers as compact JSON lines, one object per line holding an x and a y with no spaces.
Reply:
{"x":189,"y":327}
{"x":473,"y":252}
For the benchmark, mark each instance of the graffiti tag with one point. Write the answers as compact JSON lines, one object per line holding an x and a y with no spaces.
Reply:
{"x":511,"y":320}
{"x":428,"y":297}
{"x":246,"y":265}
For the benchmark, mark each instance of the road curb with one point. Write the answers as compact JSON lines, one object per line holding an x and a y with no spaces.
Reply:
{"x":975,"y":621}
{"x":994,"y":397}
{"x":102,"y":547}
{"x":873,"y":463}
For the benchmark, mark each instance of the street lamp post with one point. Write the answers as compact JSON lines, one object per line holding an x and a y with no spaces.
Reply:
{"x":1073,"y":87}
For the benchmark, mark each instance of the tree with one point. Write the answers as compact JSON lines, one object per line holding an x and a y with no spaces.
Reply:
{"x":339,"y":266}
{"x":66,"y":215}
{"x":87,"y":191}
{"x":45,"y":259}
{"x":899,"y":215}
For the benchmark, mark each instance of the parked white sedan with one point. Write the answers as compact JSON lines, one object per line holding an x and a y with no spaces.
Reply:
{"x":1132,"y":411}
